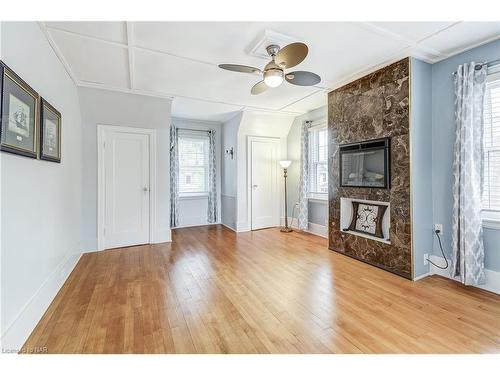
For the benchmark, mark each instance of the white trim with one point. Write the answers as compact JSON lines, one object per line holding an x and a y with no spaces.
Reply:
{"x":229,"y":227}
{"x":321,"y":124}
{"x":250,"y":139}
{"x":491,"y":219}
{"x":421,"y":276}
{"x":318,"y":229}
{"x":18,"y":332}
{"x":493,"y":70}
{"x":188,"y":196}
{"x":312,"y":228}
{"x":106,"y":87}
{"x":155,"y":236}
{"x":130,"y":50}
{"x":162,"y":236}
{"x":492,"y":283}
{"x":156,"y":94}
{"x":203,"y":124}
{"x":317,"y":199}
{"x":197,"y":225}
{"x":491,"y":224}
{"x":58,"y":52}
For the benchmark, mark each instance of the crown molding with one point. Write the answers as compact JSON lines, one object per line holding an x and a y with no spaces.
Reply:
{"x":58,"y":52}
{"x":472,"y":46}
{"x":194,"y":121}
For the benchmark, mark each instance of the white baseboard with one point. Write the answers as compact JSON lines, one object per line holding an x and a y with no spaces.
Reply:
{"x":313,"y":228}
{"x":492,"y":283}
{"x":164,"y":235}
{"x":228,"y":227}
{"x":18,"y":332}
{"x":422,"y":276}
{"x":196,"y":225}
{"x":243,"y":226}
{"x":319,"y":230}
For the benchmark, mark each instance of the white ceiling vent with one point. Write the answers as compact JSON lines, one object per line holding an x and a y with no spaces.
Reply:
{"x":258,"y":48}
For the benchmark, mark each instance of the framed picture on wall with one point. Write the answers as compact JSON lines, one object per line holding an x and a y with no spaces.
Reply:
{"x":50,"y":132}
{"x":19,"y":120}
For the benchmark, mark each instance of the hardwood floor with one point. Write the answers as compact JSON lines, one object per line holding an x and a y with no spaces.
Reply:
{"x":214,"y":291}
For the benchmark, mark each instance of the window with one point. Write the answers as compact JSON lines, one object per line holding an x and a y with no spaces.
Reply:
{"x":491,"y":146}
{"x":193,"y":164}
{"x":318,"y":162}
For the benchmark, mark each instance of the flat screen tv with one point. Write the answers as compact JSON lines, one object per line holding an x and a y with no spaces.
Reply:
{"x":365,"y":164}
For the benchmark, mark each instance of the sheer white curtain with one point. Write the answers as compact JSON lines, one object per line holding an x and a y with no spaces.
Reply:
{"x":467,"y":230}
{"x":174,"y":176}
{"x":303,"y":216}
{"x":212,"y":179}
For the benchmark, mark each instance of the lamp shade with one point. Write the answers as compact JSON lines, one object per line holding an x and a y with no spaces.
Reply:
{"x":285,"y":163}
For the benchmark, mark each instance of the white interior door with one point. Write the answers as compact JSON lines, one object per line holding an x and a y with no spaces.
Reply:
{"x":126,"y":188}
{"x":264,"y":185}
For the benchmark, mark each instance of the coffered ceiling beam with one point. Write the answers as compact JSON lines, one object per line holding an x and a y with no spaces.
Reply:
{"x":131,"y":61}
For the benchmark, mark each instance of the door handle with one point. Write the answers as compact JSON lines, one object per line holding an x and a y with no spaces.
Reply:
{"x":255,"y":186}
{"x":145,"y":189}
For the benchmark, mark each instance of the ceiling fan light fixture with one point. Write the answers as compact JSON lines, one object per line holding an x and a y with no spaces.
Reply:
{"x":273,"y":77}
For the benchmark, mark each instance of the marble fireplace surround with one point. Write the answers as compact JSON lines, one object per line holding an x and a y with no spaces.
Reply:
{"x":373,"y":107}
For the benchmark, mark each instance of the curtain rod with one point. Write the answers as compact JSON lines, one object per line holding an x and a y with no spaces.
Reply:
{"x":487,"y":63}
{"x":196,"y":130}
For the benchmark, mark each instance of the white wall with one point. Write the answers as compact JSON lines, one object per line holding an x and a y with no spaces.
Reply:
{"x":318,"y":210}
{"x":261,"y":125}
{"x":228,"y":192}
{"x":193,"y":210}
{"x":40,"y":201}
{"x":120,"y":109}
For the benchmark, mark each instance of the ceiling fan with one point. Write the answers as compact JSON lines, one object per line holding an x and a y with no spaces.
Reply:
{"x":274,"y":72}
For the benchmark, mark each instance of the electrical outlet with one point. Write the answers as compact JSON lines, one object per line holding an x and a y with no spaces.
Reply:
{"x":426,"y":259}
{"x":438,"y":227}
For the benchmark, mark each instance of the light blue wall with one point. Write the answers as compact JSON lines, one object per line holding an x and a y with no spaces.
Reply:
{"x":421,"y":163}
{"x":443,"y":137}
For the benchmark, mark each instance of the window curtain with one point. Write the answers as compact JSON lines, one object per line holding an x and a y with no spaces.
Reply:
{"x":467,"y":231}
{"x":212,"y":180}
{"x":174,"y":176}
{"x":303,"y":216}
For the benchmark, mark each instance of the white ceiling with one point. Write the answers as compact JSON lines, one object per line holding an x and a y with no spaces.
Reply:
{"x":179,"y":59}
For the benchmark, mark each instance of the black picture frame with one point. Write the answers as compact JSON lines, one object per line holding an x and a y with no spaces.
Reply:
{"x":19,"y":131}
{"x":49,"y":113}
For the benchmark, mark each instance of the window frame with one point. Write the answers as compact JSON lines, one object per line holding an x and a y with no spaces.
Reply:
{"x":491,"y":217}
{"x":189,"y":134}
{"x":316,"y":195}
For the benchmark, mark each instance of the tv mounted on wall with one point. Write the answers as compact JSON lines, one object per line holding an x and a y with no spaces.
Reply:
{"x":365,"y":164}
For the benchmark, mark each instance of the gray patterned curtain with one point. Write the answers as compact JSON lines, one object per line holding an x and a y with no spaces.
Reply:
{"x":212,"y":180}
{"x":174,"y":176}
{"x":303,"y":216}
{"x":467,"y":230}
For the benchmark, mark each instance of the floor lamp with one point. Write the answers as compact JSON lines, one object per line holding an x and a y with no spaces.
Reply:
{"x":285,"y":164}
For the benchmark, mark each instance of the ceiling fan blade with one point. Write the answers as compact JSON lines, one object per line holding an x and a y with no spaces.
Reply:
{"x":240,"y":68}
{"x":259,"y":88}
{"x":291,"y":55}
{"x":303,"y":78}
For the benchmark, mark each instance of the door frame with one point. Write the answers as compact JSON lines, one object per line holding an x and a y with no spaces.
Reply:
{"x":250,"y":139}
{"x":101,"y":170}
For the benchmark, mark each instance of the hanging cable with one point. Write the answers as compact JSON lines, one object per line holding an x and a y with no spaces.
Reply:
{"x":442,"y":252}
